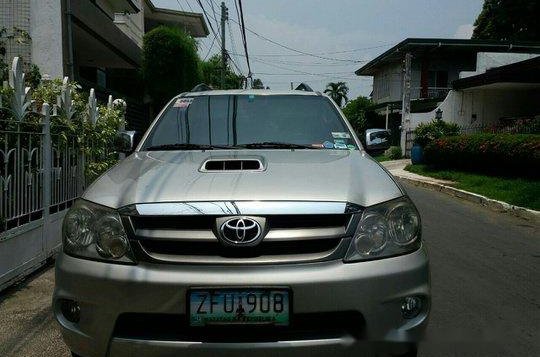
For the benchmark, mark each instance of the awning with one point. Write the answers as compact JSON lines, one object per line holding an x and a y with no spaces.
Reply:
{"x":191,"y":22}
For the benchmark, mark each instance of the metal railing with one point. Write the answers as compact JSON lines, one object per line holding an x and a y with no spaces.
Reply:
{"x":40,"y":170}
{"x":429,"y":92}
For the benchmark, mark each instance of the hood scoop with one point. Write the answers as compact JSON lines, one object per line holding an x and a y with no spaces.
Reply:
{"x":232,"y":165}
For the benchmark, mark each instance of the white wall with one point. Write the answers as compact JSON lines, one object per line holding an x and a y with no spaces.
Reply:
{"x":132,"y":24}
{"x":488,"y":105}
{"x":387,"y":84}
{"x":46,"y":34}
{"x":488,"y":60}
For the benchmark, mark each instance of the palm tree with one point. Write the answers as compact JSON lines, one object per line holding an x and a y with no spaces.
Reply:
{"x":338,"y":92}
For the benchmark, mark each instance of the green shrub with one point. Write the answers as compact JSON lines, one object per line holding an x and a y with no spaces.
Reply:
{"x":501,"y":154}
{"x":394,"y":153}
{"x":211,"y":74}
{"x":170,"y":63}
{"x":426,"y":133}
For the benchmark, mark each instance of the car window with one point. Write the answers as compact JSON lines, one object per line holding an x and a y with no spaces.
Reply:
{"x":245,"y":119}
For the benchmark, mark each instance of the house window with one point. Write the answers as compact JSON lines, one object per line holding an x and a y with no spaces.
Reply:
{"x":438,"y":79}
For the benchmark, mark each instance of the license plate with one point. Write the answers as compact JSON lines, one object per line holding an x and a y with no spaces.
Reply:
{"x":239,"y":306}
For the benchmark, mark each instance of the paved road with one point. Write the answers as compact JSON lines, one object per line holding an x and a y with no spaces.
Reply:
{"x":485,"y":280}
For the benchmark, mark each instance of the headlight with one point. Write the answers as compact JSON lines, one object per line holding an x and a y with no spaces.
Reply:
{"x":95,"y":232}
{"x":388,"y":229}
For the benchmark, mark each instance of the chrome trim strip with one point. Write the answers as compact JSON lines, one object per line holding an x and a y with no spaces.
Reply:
{"x":335,"y":253}
{"x":177,"y":235}
{"x":298,"y":234}
{"x":236,"y":208}
{"x":274,"y":235}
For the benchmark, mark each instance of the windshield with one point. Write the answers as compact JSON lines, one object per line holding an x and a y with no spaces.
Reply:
{"x":250,"y":121}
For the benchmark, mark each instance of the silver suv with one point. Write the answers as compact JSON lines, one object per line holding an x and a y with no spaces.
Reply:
{"x":243,"y":222}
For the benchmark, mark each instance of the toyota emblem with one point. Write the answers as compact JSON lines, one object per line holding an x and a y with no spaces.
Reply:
{"x":240,"y":231}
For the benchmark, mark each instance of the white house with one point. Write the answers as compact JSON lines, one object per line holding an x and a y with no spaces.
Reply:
{"x":436,"y":64}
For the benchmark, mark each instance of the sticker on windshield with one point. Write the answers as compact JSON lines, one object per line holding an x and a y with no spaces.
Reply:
{"x":340,"y":146}
{"x":328,"y":145}
{"x":182,"y":102}
{"x":351,"y":147}
{"x":341,"y":135}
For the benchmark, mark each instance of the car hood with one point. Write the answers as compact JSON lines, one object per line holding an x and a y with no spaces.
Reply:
{"x":289,"y":175}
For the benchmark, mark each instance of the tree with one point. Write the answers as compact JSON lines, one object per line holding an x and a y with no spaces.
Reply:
{"x":356,"y":110}
{"x":211,"y":74}
{"x":170,"y":63}
{"x":338,"y":92}
{"x":508,"y":20}
{"x":258,"y":84}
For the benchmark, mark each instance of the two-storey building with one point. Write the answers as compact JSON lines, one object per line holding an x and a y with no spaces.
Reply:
{"x":435,"y":65}
{"x":98,"y":43}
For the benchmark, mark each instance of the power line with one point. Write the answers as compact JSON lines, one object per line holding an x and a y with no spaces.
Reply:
{"x":298,"y":51}
{"x":181,"y":8}
{"x":313,"y":74}
{"x":322,"y":53}
{"x":207,"y":19}
{"x":189,"y":5}
{"x":298,"y":71}
{"x":233,"y":46}
{"x":210,"y":48}
{"x":244,"y":39}
{"x":214,"y":14}
{"x":297,"y":63}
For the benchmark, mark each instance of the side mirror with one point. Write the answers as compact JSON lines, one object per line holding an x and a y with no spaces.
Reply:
{"x":377,"y":140}
{"x":126,"y":141}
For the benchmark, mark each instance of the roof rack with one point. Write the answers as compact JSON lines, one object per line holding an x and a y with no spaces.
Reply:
{"x":203,"y":87}
{"x":304,"y":87}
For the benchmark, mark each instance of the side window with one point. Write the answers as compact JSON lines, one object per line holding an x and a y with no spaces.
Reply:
{"x":167,"y":130}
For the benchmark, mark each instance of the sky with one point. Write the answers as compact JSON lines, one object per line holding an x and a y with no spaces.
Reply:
{"x":346,"y":33}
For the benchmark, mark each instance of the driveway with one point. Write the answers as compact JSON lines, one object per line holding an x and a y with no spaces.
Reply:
{"x":485,"y":282}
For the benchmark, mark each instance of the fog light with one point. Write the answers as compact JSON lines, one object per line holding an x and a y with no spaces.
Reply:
{"x":411,"y":307}
{"x":71,"y":310}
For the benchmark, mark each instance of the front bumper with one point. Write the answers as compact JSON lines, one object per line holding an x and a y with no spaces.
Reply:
{"x":375,"y":289}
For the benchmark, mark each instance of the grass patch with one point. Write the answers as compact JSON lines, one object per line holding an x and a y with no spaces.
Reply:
{"x":381,"y":158}
{"x":516,"y":191}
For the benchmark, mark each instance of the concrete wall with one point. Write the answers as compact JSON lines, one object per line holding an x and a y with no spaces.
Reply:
{"x":132,"y":24}
{"x":487,"y":60}
{"x":478,"y":107}
{"x":16,"y":14}
{"x":46,"y":33}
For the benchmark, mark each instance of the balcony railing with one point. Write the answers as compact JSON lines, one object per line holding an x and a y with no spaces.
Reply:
{"x":429,"y":92}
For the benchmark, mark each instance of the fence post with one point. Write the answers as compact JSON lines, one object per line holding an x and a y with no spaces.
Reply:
{"x":46,"y":149}
{"x":122,"y":105}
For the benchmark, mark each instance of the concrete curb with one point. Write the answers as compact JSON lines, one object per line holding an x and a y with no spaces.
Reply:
{"x":492,"y":204}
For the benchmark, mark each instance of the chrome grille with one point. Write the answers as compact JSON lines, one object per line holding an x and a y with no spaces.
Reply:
{"x":192,"y":238}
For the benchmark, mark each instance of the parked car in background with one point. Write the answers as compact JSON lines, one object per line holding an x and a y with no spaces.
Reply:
{"x":245,"y":220}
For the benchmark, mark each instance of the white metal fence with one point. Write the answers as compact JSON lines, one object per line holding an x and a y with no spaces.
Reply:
{"x":41,"y":174}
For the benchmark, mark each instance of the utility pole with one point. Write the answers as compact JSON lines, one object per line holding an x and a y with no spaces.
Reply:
{"x":224,"y":17}
{"x":406,"y":103}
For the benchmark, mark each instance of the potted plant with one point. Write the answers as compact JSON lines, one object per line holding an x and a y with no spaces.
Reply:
{"x":425,"y":133}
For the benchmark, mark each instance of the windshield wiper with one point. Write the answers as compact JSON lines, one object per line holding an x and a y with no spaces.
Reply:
{"x":276,"y":145}
{"x":186,"y":146}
